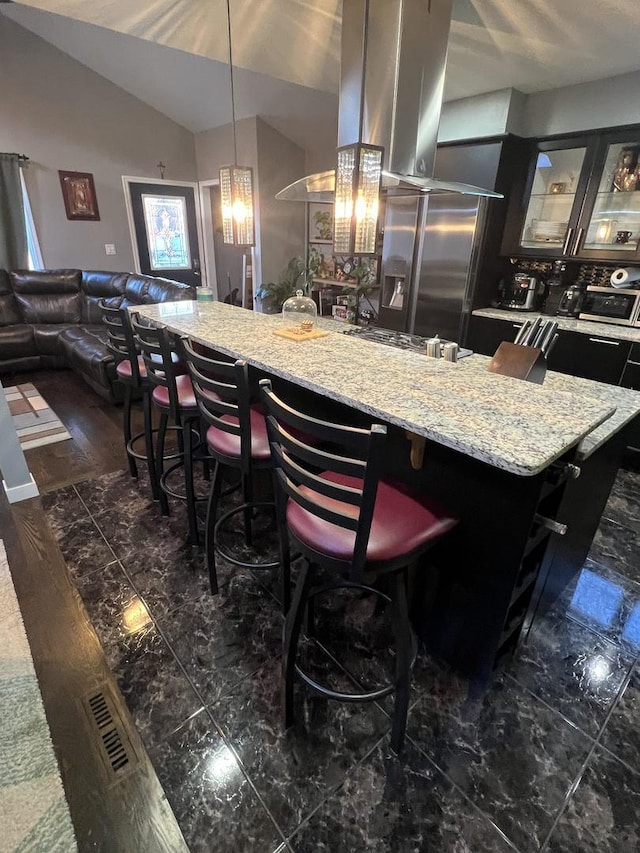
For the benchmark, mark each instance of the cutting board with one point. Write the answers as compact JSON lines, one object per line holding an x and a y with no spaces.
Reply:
{"x":292,"y":335}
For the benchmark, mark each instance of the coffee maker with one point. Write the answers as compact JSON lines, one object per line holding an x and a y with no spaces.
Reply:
{"x":571,"y":300}
{"x":522,"y":291}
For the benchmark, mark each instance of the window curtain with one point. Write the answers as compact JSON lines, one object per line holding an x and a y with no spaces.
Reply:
{"x":33,"y":244}
{"x":13,"y":231}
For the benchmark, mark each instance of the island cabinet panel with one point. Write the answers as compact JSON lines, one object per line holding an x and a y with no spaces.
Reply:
{"x":472,"y":593}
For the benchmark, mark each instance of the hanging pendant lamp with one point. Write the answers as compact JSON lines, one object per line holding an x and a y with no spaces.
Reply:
{"x":358,"y":177}
{"x":236,"y":183}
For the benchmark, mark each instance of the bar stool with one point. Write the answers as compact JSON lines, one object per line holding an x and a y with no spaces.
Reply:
{"x":173,"y":396}
{"x":236,"y":438}
{"x":344,"y":519}
{"x":132,"y":373}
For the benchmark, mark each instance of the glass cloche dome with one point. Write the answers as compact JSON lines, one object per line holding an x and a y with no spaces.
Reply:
{"x":299,"y":310}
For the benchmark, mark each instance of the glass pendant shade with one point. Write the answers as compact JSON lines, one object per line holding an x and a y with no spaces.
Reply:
{"x":236,"y":197}
{"x":355,"y":216}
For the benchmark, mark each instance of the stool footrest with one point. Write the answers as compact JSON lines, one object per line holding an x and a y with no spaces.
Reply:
{"x":269,"y":564}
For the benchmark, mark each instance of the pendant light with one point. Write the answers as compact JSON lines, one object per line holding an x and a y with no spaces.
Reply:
{"x":236,"y":183}
{"x":358,"y":179}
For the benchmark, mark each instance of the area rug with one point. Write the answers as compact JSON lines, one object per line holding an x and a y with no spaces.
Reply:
{"x":35,"y":423}
{"x":34,"y":816}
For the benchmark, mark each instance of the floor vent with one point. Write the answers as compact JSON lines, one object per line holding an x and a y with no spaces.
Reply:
{"x":114,"y":746}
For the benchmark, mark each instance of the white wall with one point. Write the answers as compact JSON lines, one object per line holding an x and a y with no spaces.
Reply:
{"x":610,"y":102}
{"x":282,"y":226}
{"x":64,"y":116}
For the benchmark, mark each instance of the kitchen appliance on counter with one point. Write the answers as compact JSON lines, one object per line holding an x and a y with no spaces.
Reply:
{"x":401,"y":340}
{"x":611,"y":305}
{"x":570,"y":304}
{"x":523,"y":291}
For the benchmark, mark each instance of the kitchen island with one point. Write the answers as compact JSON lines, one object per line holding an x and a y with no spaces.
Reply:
{"x":498,"y":453}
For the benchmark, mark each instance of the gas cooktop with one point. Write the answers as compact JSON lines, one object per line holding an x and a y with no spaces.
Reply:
{"x":401,"y":340}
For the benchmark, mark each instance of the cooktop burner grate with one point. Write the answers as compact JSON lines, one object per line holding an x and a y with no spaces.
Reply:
{"x":401,"y":340}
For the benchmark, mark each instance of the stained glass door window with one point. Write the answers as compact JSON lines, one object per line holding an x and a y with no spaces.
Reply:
{"x":165,"y":220}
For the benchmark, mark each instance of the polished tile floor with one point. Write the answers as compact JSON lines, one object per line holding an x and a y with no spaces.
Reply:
{"x":548,"y":759}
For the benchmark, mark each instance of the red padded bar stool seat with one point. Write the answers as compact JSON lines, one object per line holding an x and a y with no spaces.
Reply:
{"x":186,"y":394}
{"x":230,"y":445}
{"x":402,"y":522}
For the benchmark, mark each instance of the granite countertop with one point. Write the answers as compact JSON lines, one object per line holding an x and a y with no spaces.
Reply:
{"x":517,"y":426}
{"x":626,"y":401}
{"x":569,"y":324}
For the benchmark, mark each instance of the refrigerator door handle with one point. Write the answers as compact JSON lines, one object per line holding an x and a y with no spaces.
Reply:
{"x":567,"y":240}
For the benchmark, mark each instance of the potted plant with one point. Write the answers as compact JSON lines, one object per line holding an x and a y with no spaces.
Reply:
{"x":273,"y":294}
{"x":355,"y":293}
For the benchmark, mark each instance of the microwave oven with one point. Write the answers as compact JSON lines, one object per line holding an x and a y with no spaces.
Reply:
{"x":611,"y":305}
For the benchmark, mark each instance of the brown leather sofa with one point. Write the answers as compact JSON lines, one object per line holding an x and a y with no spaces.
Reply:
{"x":51,"y":318}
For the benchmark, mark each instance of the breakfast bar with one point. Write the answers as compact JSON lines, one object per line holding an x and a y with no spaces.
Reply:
{"x":499,"y":452}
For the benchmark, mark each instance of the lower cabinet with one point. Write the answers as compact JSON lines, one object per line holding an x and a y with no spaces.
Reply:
{"x":589,"y":356}
{"x":485,"y":334}
{"x":601,"y":359}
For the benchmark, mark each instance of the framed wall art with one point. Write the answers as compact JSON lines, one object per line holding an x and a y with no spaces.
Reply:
{"x":320,"y":222}
{"x":79,"y":194}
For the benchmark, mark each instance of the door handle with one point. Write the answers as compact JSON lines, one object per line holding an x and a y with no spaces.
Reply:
{"x":635,"y":363}
{"x":579,"y":233}
{"x":567,"y":240}
{"x":603,"y":341}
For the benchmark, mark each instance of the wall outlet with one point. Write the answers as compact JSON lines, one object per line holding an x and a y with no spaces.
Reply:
{"x":109,"y":248}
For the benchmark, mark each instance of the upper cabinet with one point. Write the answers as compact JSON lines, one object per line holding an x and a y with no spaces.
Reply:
{"x":581,"y":199}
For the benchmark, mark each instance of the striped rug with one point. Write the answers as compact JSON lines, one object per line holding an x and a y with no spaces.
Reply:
{"x":35,"y":422}
{"x":34,"y":816}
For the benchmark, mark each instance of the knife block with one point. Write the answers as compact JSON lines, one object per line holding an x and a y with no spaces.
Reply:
{"x":519,"y":362}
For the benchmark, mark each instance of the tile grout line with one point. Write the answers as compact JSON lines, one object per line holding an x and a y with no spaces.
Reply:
{"x":193,"y":687}
{"x":576,"y":782}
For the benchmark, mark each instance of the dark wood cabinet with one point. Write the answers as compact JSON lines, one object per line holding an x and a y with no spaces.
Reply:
{"x":589,"y":356}
{"x":579,"y":198}
{"x":577,"y":354}
{"x":485,"y":334}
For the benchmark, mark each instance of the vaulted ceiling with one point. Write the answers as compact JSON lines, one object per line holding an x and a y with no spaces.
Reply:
{"x":173,"y":54}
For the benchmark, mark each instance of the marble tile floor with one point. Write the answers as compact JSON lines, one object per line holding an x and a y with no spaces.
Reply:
{"x":548,"y":759}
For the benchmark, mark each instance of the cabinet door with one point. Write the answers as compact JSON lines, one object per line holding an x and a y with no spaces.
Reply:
{"x":552,"y":204}
{"x":610,"y":224}
{"x":601,"y":359}
{"x":486,"y":334}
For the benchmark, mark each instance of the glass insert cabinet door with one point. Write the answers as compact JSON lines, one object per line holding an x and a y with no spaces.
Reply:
{"x":553,"y":194}
{"x":614,"y":224}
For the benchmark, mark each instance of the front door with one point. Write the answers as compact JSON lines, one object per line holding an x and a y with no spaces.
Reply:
{"x":165,"y":229}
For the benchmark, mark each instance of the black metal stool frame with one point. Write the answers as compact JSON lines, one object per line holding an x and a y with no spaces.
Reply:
{"x":296,"y":467}
{"x":122,"y":345}
{"x":224,"y":400}
{"x":158,"y":354}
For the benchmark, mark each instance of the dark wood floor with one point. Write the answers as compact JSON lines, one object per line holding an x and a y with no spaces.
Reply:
{"x":109,"y":813}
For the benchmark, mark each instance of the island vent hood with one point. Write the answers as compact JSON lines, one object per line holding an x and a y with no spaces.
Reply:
{"x":394,"y":54}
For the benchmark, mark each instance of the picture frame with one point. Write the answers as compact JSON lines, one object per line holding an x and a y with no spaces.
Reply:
{"x":79,"y":194}
{"x":320,"y":222}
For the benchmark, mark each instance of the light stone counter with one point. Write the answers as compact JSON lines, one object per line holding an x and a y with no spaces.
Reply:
{"x":569,"y":324}
{"x":517,"y":426}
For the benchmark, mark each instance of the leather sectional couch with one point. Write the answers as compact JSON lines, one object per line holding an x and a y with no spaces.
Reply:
{"x":51,"y":318}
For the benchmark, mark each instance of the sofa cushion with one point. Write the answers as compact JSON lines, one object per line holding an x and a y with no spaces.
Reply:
{"x":9,"y":311}
{"x":49,"y":296}
{"x":85,"y":350}
{"x":145,"y":289}
{"x":97,"y":285}
{"x":16,"y":342}
{"x":46,"y":336}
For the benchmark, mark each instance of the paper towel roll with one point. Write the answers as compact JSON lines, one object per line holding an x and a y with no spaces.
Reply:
{"x":625,"y":276}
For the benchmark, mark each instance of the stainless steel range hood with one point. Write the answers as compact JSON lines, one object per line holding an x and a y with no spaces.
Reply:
{"x":394,"y":54}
